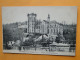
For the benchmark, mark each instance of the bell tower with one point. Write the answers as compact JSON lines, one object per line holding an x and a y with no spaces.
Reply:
{"x":48,"y":19}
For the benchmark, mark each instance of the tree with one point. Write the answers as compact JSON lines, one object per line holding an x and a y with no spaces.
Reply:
{"x":7,"y":36}
{"x":58,"y":38}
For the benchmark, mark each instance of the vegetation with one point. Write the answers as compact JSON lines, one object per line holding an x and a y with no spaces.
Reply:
{"x":69,"y":33}
{"x":11,"y":32}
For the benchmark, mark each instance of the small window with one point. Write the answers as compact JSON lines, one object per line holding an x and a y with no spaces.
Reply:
{"x":55,"y":25}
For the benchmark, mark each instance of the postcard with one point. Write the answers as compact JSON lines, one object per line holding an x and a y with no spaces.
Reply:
{"x":48,"y":30}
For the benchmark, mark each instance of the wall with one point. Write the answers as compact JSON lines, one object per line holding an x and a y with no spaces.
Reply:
{"x":40,"y":3}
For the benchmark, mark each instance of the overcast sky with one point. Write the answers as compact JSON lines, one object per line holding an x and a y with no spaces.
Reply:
{"x":57,"y":13}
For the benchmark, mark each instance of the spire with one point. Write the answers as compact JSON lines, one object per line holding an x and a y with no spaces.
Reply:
{"x":48,"y":19}
{"x":48,"y":16}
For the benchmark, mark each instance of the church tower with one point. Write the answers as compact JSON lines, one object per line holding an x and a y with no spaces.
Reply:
{"x":48,"y":19}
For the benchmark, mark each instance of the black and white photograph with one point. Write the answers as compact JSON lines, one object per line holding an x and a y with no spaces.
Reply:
{"x":45,"y":30}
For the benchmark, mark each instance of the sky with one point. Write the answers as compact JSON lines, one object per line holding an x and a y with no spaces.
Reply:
{"x":62,"y":14}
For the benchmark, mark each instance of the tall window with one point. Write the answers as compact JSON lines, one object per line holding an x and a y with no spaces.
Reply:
{"x":51,"y":31}
{"x":55,"y":25}
{"x":25,"y":30}
{"x":54,"y":31}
